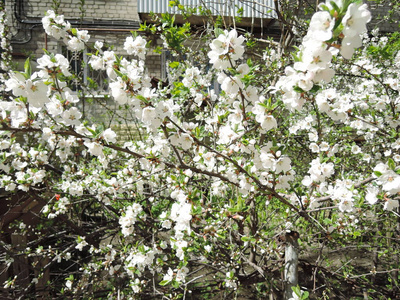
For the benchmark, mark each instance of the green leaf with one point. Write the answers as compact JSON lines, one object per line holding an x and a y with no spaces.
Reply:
{"x":197,"y":132}
{"x":296,"y":290}
{"x":245,"y":238}
{"x":218,"y":31}
{"x":335,"y":7}
{"x":391,"y":164}
{"x":164,"y":282}
{"x":305,"y":295}
{"x":324,"y":7}
{"x":298,"y":89}
{"x":315,"y":88}
{"x":71,"y":277}
{"x":91,"y":131}
{"x":119,"y":73}
{"x":174,"y":64}
{"x":295,"y":57}
{"x":142,"y":98}
{"x":175,"y":284}
{"x":28,"y":68}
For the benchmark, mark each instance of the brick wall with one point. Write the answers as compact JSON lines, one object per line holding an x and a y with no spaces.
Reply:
{"x":153,"y":64}
{"x":379,"y":12}
{"x":94,"y":9}
{"x":30,"y":38}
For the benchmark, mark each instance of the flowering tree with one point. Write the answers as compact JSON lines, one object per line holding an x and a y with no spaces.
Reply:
{"x":199,"y":203}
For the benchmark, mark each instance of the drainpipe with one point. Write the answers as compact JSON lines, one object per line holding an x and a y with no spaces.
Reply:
{"x":111,"y":24}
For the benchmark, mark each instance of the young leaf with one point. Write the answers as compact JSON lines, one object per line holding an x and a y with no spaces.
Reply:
{"x":28,"y":68}
{"x":391,"y":164}
{"x":164,"y":282}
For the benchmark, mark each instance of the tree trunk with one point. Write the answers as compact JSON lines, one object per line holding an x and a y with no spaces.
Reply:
{"x":291,"y":263}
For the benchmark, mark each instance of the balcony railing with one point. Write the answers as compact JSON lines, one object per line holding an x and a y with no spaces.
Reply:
{"x":263,"y":9}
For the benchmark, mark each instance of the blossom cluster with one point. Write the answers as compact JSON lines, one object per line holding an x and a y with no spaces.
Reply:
{"x":129,"y":83}
{"x":226,"y":49}
{"x":5,"y":46}
{"x":127,"y":221}
{"x":56,"y":26}
{"x":324,"y":37}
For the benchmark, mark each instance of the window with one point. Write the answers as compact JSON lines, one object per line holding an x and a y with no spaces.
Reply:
{"x":80,"y":68}
{"x":167,"y":57}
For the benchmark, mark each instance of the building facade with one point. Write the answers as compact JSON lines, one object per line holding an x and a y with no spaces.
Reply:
{"x":111,"y":21}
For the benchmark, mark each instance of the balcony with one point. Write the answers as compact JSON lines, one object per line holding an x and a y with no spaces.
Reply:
{"x":255,"y":14}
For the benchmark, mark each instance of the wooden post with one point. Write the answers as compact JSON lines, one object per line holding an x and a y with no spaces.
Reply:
{"x":43,"y":276}
{"x":4,"y":275}
{"x":20,"y":264}
{"x":291,"y":263}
